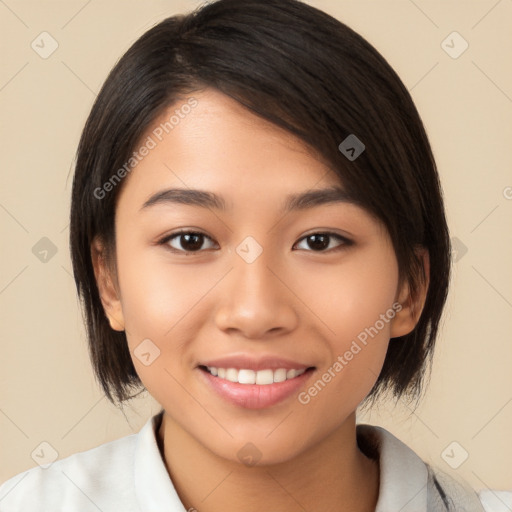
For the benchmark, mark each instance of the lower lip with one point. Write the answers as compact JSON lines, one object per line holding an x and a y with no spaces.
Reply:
{"x":255,"y":396}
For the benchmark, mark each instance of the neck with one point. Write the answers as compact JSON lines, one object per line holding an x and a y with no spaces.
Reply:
{"x":332,"y":476}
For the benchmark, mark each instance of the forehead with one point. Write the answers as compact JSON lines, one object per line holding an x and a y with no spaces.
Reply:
{"x":219,"y":145}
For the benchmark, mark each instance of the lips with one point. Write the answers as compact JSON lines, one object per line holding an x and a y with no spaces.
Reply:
{"x":247,"y":362}
{"x":254,"y":383}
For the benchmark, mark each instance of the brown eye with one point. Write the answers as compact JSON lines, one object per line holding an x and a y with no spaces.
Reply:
{"x":319,"y":242}
{"x":186,"y":241}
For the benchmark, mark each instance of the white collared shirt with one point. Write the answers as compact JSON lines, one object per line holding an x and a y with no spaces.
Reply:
{"x":129,"y":475}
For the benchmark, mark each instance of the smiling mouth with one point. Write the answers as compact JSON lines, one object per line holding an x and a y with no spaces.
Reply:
{"x":260,"y":377}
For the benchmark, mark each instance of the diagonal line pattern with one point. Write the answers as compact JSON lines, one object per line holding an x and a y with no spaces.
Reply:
{"x":286,"y":491}
{"x":67,"y":271}
{"x":280,"y":423}
{"x":492,"y":211}
{"x":405,"y":504}
{"x":216,"y":487}
{"x":2,"y":2}
{"x":14,"y":218}
{"x":424,"y":14}
{"x":494,"y":288}
{"x":78,"y":78}
{"x":421,"y":421}
{"x":492,"y":81}
{"x":488,"y":488}
{"x":76,"y":14}
{"x":81,"y":491}
{"x":82,"y":417}
{"x":423,"y":76}
{"x":12,"y":489}
{"x":501,"y":409}
{"x":14,"y":76}
{"x":12,"y":280}
{"x":485,"y":15}
{"x":14,"y":423}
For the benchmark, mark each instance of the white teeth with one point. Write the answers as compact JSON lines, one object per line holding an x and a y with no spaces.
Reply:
{"x":247,"y":377}
{"x":265,"y":377}
{"x":290,"y":374}
{"x":261,"y":377}
{"x":280,"y":375}
{"x":232,"y":374}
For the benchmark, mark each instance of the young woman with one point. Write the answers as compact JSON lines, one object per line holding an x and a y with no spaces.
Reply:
{"x":259,"y":240}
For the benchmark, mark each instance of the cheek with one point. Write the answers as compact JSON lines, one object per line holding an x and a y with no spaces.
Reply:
{"x":156,"y":295}
{"x":153,"y":301}
{"x":356,"y":355}
{"x":161,"y":306}
{"x":351,"y":297}
{"x":358,"y":305}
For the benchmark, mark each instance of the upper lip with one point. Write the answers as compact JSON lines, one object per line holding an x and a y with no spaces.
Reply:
{"x":248,"y":362}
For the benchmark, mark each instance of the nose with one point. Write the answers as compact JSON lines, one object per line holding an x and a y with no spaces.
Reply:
{"x":255,"y":300}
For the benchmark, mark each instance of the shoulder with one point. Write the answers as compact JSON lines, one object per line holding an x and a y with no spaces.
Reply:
{"x":407,"y":483}
{"x":448,"y":493}
{"x":81,"y":482}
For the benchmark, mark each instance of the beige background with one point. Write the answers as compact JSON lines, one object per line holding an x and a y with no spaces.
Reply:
{"x":48,"y":392}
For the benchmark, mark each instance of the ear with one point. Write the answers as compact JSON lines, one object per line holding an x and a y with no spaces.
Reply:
{"x":406,"y":319}
{"x":108,"y":293}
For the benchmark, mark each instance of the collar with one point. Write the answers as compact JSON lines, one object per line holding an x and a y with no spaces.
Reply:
{"x":403,"y":475}
{"x":153,"y":487}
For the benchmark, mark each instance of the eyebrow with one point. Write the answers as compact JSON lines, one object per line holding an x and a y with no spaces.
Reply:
{"x":210,"y":200}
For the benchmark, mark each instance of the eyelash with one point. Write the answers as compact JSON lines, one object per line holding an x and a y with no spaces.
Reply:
{"x":168,"y":238}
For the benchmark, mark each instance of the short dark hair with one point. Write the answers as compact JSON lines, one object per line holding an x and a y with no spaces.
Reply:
{"x":308,"y":73}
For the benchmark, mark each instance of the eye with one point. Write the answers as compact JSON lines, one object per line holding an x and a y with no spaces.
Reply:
{"x":190,"y":241}
{"x":321,"y":242}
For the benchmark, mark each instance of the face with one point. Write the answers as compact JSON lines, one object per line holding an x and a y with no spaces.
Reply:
{"x":256,"y":319}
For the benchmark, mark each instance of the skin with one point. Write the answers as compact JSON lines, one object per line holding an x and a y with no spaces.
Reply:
{"x":293,"y":301}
